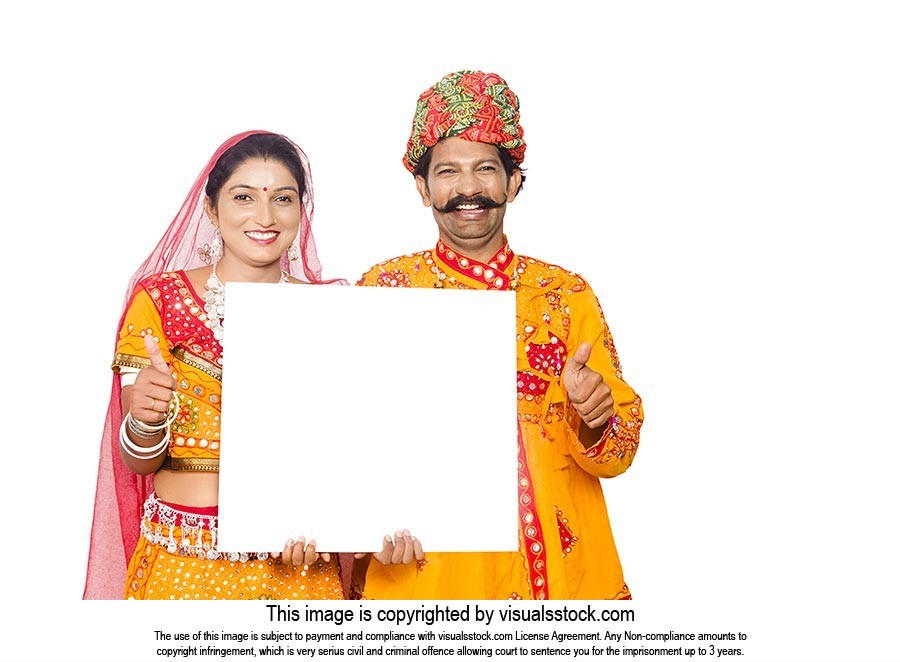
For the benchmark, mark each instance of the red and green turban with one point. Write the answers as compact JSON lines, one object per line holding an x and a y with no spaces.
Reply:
{"x":467,"y":104}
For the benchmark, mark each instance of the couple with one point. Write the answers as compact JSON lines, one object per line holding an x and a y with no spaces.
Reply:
{"x":248,"y":218}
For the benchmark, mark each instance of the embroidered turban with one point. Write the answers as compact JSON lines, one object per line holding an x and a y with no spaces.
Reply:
{"x":467,"y":104}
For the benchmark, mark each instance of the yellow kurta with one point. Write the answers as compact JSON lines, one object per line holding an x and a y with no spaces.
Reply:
{"x":566,"y":547}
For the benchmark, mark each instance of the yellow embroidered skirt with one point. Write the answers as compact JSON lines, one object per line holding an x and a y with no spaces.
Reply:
{"x":176,"y":559}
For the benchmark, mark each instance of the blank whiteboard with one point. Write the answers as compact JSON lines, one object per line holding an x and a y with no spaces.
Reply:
{"x":349,"y":413}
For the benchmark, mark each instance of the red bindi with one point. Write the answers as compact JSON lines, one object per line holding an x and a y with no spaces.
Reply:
{"x":265,"y":188}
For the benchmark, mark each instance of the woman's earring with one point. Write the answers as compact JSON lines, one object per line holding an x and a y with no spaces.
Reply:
{"x":292,"y":253}
{"x":212,"y":251}
{"x":215,"y":249}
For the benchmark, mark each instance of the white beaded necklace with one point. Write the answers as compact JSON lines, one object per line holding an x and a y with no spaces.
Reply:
{"x":214,"y":296}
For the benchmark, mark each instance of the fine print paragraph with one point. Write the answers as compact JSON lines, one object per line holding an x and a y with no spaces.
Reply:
{"x":575,"y":631}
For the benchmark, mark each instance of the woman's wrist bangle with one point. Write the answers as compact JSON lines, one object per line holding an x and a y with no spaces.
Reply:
{"x":145,"y":429}
{"x":141,"y":452}
{"x":138,"y":429}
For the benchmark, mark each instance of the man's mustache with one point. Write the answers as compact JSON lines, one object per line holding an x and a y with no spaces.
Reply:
{"x":477,"y":200}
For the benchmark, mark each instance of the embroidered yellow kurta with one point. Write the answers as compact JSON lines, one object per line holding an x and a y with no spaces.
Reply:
{"x":566,"y":547}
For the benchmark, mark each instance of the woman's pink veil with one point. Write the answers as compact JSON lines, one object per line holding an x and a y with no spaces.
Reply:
{"x":121,"y":493}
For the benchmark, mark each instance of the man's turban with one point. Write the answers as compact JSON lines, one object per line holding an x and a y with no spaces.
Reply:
{"x":467,"y":104}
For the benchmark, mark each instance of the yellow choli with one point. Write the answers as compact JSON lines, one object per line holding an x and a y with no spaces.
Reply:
{"x":166,"y":307}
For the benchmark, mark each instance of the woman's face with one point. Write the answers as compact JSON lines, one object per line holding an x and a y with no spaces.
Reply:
{"x":258,"y":212}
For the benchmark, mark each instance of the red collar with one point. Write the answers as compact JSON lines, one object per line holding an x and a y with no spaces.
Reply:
{"x":495,"y":274}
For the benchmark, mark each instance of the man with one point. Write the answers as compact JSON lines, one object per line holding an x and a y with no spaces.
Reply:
{"x":577,"y":419}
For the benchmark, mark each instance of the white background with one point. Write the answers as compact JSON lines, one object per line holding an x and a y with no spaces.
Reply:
{"x":724,"y":174}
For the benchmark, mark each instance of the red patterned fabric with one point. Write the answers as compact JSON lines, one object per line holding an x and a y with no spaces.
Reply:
{"x":181,"y":322}
{"x":495,"y":274}
{"x":473,"y":105}
{"x":533,"y":545}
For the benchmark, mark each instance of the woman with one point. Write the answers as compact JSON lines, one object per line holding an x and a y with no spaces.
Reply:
{"x":248,"y":217}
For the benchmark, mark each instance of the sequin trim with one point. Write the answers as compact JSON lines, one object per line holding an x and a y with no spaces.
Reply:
{"x":394,"y":278}
{"x":129,"y":361}
{"x":621,"y":437}
{"x":187,"y":358}
{"x":191,"y":463}
{"x":184,"y":533}
{"x":532,"y":534}
{"x":491,"y":275}
{"x":566,"y":537}
{"x":184,"y":321}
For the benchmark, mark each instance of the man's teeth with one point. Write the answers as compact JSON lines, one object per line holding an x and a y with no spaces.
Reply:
{"x":262,"y":236}
{"x":468,"y":207}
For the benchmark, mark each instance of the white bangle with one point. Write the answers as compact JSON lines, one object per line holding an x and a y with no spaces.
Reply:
{"x":149,"y":428}
{"x":138,"y":431}
{"x":145,"y":430}
{"x":141,"y":452}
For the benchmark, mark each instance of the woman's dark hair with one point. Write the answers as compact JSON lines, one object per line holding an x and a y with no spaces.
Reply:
{"x":258,"y":146}
{"x":509,"y":165}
